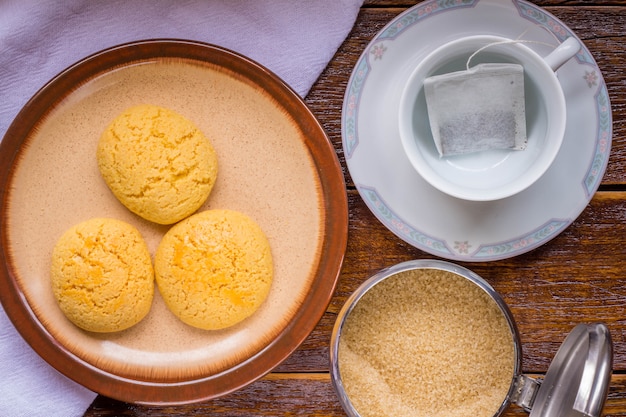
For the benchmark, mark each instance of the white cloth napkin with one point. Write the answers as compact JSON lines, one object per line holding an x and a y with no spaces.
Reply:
{"x":38,"y":39}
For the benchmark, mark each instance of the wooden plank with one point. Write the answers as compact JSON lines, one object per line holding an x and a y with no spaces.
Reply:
{"x":289,"y":395}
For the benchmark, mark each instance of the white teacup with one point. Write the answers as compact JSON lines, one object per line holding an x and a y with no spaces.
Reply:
{"x":492,"y":174}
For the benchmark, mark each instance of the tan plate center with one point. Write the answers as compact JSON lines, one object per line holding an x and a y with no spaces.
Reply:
{"x":265,"y":171}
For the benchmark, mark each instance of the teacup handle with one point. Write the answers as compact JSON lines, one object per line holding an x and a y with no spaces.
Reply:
{"x":562,"y":53}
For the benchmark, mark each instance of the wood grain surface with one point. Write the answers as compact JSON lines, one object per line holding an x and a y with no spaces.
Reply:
{"x":579,"y":276}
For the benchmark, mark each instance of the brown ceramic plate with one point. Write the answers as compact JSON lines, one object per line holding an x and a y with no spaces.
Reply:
{"x":276,"y":164}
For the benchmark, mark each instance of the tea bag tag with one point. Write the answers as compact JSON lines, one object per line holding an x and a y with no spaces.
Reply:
{"x":479,"y":109}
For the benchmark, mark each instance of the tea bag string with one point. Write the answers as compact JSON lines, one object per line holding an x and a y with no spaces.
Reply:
{"x":512,"y":41}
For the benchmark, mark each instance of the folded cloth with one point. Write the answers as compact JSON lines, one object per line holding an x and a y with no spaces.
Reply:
{"x":29,"y":387}
{"x":294,"y":39}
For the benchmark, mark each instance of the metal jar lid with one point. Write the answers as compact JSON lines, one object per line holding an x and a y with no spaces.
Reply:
{"x":577,"y":381}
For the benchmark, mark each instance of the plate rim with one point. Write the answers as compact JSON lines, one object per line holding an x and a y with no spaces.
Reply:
{"x":333,"y":196}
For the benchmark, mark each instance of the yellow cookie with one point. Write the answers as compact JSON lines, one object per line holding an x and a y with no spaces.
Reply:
{"x":214,"y":269}
{"x":157,"y":163}
{"x":102,"y":275}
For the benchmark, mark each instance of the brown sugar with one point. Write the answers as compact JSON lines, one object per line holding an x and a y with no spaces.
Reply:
{"x":426,"y":342}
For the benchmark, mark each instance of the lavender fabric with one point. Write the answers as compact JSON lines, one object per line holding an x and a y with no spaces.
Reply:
{"x":38,"y":39}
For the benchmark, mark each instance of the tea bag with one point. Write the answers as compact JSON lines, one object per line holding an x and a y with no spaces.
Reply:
{"x":478,"y":109}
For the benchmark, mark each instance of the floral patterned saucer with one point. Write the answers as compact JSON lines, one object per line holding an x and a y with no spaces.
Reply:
{"x":435,"y":222}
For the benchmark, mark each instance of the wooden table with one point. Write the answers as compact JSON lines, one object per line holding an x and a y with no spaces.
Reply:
{"x":580,"y":276}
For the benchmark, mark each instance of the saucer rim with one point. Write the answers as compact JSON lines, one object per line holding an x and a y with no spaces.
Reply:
{"x":551,"y":224}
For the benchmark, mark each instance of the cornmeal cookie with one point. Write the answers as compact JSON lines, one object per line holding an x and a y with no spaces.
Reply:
{"x":157,"y":163}
{"x":214,"y":268}
{"x":102,"y":275}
